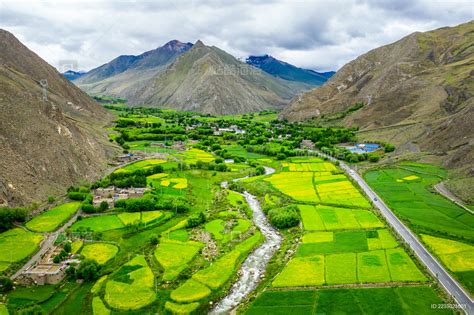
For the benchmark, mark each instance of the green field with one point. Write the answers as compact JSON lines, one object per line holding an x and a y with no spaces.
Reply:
{"x":327,"y":218}
{"x":174,"y":256}
{"x":17,"y":244}
{"x":297,"y":185}
{"x":217,"y":274}
{"x":426,"y":212}
{"x":50,"y":220}
{"x":458,"y":257}
{"x":144,"y":164}
{"x":100,"y":252}
{"x":131,"y":287}
{"x":99,"y":223}
{"x":397,"y":300}
{"x":344,"y":258}
{"x":139,"y":217}
{"x":191,"y":156}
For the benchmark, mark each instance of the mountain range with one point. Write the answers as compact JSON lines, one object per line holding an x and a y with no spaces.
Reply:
{"x":199,"y":78}
{"x":51,"y":133}
{"x":287,"y":71}
{"x":417,"y":93}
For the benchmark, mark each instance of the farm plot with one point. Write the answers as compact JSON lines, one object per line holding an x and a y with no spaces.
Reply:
{"x":426,"y":212}
{"x":216,"y":275}
{"x":297,"y":185}
{"x":392,"y":300}
{"x":100,"y":252}
{"x":343,"y":257}
{"x":131,"y":287}
{"x":50,"y":220}
{"x":155,"y":179}
{"x":139,"y":217}
{"x":17,"y":244}
{"x":174,"y":256}
{"x":309,"y":167}
{"x":144,"y":164}
{"x":217,"y":229}
{"x":341,"y":193}
{"x":457,"y":256}
{"x":191,"y":156}
{"x":327,"y":218}
{"x":98,"y":223}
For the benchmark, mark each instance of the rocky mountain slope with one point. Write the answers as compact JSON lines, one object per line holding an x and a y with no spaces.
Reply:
{"x":46,"y":145}
{"x":126,"y":74}
{"x":418,"y":94}
{"x":207,"y":79}
{"x":287,"y":71}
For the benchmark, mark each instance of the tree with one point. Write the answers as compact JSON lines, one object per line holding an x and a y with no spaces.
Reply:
{"x":67,"y":247}
{"x":195,"y":220}
{"x":50,"y":199}
{"x":88,"y":270}
{"x":281,"y":156}
{"x":6,"y":284}
{"x":374,"y":158}
{"x":103,"y":206}
{"x":260,"y":170}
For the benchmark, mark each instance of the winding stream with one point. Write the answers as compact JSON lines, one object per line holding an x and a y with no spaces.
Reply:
{"x":254,"y":266}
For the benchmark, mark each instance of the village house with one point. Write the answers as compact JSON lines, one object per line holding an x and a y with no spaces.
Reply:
{"x":112,"y":194}
{"x":307,"y":144}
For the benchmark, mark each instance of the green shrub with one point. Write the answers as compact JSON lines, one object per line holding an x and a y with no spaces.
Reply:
{"x":284,"y":218}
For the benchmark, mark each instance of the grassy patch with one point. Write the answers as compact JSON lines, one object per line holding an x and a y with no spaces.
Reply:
{"x":98,"y":223}
{"x":174,"y":256}
{"x":301,"y":271}
{"x":50,"y":220}
{"x":17,"y":244}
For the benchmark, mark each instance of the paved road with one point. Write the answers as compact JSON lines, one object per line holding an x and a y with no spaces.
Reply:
{"x":45,"y":245}
{"x":450,"y":285}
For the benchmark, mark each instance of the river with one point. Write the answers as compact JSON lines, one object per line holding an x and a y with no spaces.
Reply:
{"x":253,"y":268}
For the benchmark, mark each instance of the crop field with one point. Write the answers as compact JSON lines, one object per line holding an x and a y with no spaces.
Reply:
{"x":390,"y":300}
{"x":98,"y":223}
{"x":216,"y":275}
{"x":341,"y":193}
{"x":174,"y":256}
{"x":309,"y":167}
{"x":216,"y":227}
{"x":191,"y":156}
{"x":100,"y":252}
{"x":155,"y":179}
{"x":297,"y":185}
{"x":131,"y":287}
{"x":426,"y":212}
{"x":51,"y":219}
{"x":344,"y":258}
{"x":139,"y":217}
{"x":148,"y":147}
{"x":327,"y":218}
{"x":141,"y":165}
{"x":17,"y":244}
{"x":175,"y":308}
{"x":235,"y":199}
{"x":98,"y":307}
{"x":456,"y":256}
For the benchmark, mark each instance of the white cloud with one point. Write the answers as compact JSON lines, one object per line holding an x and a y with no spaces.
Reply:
{"x":322,"y":35}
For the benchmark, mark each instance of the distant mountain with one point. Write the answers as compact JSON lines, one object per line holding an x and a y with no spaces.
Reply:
{"x":418,"y":94}
{"x":73,"y":75}
{"x":207,"y":79}
{"x":46,"y":144}
{"x":125,"y":74}
{"x":287,"y":71}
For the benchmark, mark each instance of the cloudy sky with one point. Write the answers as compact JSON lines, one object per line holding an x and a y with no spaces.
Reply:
{"x":321,"y":35}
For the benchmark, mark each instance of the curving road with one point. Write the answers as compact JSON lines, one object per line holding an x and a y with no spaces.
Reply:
{"x":444,"y":278}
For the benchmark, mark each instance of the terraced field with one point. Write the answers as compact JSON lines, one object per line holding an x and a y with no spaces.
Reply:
{"x":191,"y":156}
{"x":100,"y":252}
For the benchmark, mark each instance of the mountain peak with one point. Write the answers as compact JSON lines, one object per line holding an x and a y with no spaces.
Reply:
{"x":176,"y":45}
{"x":199,"y":43}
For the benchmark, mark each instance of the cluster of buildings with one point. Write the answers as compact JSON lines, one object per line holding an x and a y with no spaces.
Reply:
{"x":112,"y":194}
{"x":232,"y":129}
{"x":46,"y":271}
